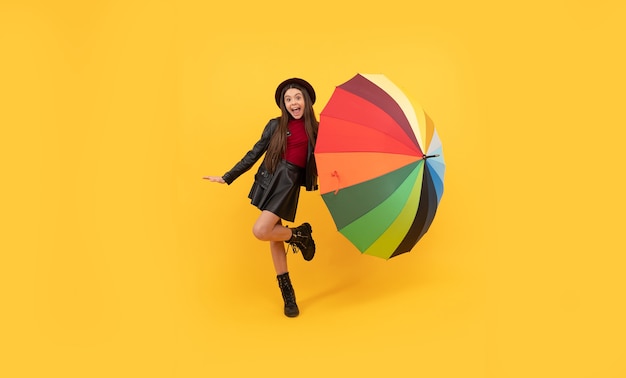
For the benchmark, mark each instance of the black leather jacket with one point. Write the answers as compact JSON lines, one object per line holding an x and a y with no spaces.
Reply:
{"x":252,"y":156}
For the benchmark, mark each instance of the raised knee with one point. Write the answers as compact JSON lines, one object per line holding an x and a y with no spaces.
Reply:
{"x":260,"y":233}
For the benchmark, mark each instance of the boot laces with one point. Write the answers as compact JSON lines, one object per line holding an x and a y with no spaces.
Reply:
{"x":297,"y":246}
{"x":294,"y":247}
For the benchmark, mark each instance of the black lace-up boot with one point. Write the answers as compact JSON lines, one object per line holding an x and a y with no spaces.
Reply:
{"x":291,"y":308}
{"x":301,"y":239}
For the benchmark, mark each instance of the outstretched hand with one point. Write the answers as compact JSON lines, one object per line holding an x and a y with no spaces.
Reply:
{"x":217,"y":179}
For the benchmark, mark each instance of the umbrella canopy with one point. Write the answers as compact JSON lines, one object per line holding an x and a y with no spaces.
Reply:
{"x":380,"y":166}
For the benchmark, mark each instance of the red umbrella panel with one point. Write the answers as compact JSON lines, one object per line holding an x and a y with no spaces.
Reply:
{"x":380,"y":166}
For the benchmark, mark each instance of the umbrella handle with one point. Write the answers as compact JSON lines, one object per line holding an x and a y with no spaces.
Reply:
{"x":335,"y":174}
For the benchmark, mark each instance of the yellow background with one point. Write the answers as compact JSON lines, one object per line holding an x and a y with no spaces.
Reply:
{"x":117,"y":260}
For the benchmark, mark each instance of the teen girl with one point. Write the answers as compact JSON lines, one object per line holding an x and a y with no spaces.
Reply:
{"x":287,"y":142}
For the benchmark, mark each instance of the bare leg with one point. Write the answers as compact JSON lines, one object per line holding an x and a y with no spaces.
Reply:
{"x":268,"y":227}
{"x":279,"y":257}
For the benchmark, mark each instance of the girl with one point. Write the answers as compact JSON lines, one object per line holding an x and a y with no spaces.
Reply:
{"x":288,"y":142}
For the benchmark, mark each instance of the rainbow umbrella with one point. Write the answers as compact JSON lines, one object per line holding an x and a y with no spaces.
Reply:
{"x":380,"y":166}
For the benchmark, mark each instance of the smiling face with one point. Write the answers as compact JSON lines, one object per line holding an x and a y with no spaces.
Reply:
{"x":294,"y":102}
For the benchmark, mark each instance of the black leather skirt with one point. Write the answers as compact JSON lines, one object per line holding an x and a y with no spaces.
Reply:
{"x":278,"y":192}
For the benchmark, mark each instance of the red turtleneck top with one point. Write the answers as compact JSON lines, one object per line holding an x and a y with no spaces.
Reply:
{"x":297,"y":143}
